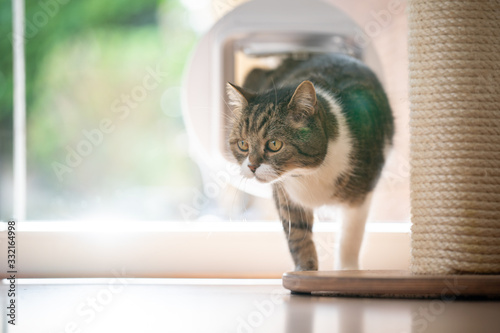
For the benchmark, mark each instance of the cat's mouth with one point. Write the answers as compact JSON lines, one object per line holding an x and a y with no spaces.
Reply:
{"x":263,"y":173}
{"x":262,"y":178}
{"x":267,"y":179}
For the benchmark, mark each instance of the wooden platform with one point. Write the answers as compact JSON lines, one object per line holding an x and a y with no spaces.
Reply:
{"x":397,"y":284}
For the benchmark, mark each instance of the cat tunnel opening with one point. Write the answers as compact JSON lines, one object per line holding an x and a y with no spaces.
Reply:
{"x":454,"y":53}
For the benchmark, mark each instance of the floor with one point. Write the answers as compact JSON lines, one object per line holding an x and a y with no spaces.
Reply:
{"x":243,"y":306}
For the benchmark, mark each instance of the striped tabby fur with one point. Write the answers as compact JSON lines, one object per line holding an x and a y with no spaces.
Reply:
{"x":333,"y":125}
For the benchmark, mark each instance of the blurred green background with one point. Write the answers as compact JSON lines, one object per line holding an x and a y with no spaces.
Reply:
{"x":89,"y":62}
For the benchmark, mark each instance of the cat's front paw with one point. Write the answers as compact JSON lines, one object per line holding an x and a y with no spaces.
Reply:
{"x":311,"y":265}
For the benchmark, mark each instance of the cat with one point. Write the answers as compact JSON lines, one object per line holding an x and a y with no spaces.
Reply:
{"x":318,"y":130}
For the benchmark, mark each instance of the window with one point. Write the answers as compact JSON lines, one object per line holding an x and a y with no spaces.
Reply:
{"x":107,"y":158}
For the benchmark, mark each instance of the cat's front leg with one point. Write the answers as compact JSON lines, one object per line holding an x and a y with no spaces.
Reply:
{"x":297,"y":223}
{"x":351,"y":234}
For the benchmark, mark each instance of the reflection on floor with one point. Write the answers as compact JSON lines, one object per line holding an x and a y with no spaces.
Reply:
{"x":243,"y":306}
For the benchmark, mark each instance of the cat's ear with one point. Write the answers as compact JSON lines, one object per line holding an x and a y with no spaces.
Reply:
{"x":304,"y":99}
{"x":238,"y":97}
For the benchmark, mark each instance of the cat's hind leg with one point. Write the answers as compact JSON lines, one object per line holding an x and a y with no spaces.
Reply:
{"x":351,"y":234}
{"x":297,"y":224}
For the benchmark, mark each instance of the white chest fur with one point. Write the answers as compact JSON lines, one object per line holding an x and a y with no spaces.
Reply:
{"x":317,"y":188}
{"x":314,"y":188}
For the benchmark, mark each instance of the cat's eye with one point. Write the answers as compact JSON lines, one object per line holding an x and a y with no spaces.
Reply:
{"x":274,"y":145}
{"x":243,"y":145}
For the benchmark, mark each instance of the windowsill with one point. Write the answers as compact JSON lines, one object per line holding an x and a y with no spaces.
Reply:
{"x":194,"y":226}
{"x":58,"y":249}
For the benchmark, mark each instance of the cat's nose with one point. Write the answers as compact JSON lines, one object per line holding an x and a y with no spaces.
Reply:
{"x":253,"y":167}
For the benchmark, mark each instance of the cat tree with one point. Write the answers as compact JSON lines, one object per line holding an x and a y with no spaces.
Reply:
{"x":454,"y":50}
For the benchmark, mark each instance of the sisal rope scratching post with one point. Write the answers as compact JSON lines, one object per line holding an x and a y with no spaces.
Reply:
{"x":454,"y":49}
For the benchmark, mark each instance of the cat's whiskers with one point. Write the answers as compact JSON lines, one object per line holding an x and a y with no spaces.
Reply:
{"x":275,"y":96}
{"x":244,"y":201}
{"x":229,"y":118}
{"x":278,"y":197}
{"x":229,"y":107}
{"x":237,"y":190}
{"x":308,"y":191}
{"x":288,"y":208}
{"x":229,"y":121}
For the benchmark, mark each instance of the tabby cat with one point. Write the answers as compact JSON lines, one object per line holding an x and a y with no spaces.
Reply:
{"x":318,"y":130}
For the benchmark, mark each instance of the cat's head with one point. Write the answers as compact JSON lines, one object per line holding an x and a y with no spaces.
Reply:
{"x":277,"y":133}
